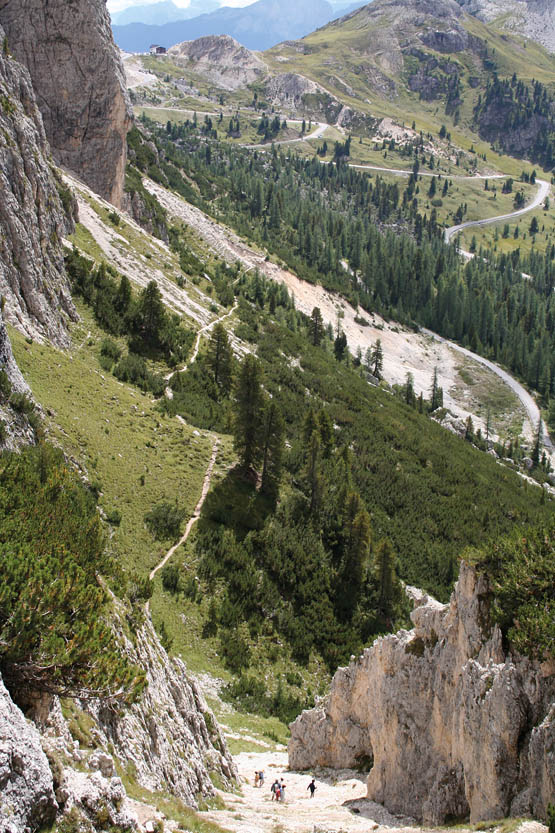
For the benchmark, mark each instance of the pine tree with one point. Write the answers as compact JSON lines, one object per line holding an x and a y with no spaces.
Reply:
{"x":272,"y":455}
{"x":151,"y":315}
{"x":436,"y":395}
{"x":356,"y":551}
{"x":316,"y":327}
{"x":469,"y":429}
{"x":377,"y":359}
{"x":409,"y":389}
{"x":326,"y":432}
{"x":340,"y":346}
{"x":249,"y":404}
{"x":220,"y":357}
{"x":384,"y":572}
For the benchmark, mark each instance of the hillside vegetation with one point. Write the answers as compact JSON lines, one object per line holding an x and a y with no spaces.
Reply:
{"x":374,"y":243}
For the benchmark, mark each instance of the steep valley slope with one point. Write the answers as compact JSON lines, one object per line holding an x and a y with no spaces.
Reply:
{"x":92,"y":764}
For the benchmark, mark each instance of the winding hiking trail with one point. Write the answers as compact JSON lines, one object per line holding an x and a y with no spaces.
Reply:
{"x":196,"y":514}
{"x":205,"y":329}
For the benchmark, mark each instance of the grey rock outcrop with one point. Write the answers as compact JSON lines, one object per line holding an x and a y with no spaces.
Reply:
{"x":169,"y":739}
{"x":15,"y":429}
{"x":533,"y":18}
{"x":221,"y":60}
{"x":97,"y":798}
{"x":32,"y":218}
{"x":455,"y":726}
{"x":79,"y":82}
{"x":27,"y":799}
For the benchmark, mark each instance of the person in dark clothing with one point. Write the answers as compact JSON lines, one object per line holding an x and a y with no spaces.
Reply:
{"x":311,"y":787}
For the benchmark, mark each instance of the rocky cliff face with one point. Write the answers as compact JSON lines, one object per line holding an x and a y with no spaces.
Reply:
{"x":533,"y":18}
{"x":455,"y":726}
{"x":60,"y":762}
{"x":79,"y":82}
{"x":27,"y":799}
{"x":170,"y":738}
{"x":32,"y":218}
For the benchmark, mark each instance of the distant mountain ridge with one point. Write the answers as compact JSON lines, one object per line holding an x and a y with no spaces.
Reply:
{"x":258,"y":26}
{"x":157,"y":14}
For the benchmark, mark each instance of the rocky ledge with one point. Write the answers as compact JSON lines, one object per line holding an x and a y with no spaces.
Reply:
{"x":454,"y":725}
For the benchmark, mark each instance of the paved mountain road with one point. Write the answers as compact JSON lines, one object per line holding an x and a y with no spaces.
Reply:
{"x":542,"y":192}
{"x":532,"y":410}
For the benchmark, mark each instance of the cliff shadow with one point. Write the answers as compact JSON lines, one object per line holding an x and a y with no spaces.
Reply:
{"x":368,"y":809}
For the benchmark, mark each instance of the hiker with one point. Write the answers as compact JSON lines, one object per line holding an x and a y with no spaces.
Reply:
{"x":278,"y":791}
{"x":273,"y":789}
{"x":261,"y":778}
{"x":282,"y":791}
{"x":256,"y":778}
{"x":311,"y":787}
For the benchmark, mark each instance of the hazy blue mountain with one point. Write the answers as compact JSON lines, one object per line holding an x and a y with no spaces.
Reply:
{"x":259,"y":26}
{"x":156,"y":14}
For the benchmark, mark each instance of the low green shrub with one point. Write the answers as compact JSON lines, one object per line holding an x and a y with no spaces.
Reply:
{"x":164,"y":520}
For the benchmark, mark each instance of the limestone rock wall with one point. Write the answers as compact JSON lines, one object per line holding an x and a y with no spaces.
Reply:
{"x":79,"y":82}
{"x":170,"y":738}
{"x":27,"y":801}
{"x":32,"y":219}
{"x":455,"y":726}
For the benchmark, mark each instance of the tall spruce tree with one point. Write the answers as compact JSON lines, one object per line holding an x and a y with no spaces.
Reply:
{"x":272,"y":453}
{"x":249,"y":406}
{"x":316,"y":327}
{"x":220,"y":357}
{"x":377,"y":359}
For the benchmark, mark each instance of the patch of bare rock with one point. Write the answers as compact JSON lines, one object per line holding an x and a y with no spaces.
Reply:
{"x":33,"y":221}
{"x":79,"y":82}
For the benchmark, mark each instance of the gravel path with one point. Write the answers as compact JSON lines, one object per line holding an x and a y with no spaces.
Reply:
{"x":196,"y":514}
{"x":528,"y":402}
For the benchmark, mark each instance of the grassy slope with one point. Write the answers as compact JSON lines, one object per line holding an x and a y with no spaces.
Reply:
{"x":116,"y":434}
